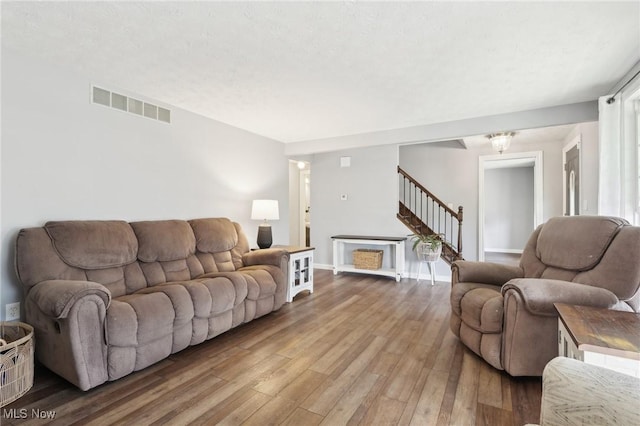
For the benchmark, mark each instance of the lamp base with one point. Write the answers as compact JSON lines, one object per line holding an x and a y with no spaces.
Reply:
{"x":264,"y":236}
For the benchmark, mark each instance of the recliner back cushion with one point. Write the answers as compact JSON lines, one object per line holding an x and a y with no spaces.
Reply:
{"x":619,"y":269}
{"x":166,"y":251}
{"x":216,"y":238}
{"x":576,"y":243}
{"x":164,"y":240}
{"x":93,"y":244}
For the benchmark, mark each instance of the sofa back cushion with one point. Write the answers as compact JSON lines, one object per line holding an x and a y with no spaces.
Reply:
{"x":219,"y":243}
{"x":164,"y":240}
{"x":127,"y":257}
{"x":166,"y":250}
{"x":99,"y":251}
{"x":93,"y":244}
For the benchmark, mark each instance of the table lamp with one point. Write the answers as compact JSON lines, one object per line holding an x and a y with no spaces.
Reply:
{"x":264,"y":210}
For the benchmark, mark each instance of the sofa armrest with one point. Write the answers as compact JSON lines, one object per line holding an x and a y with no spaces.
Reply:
{"x":574,"y":392}
{"x":271,"y":256}
{"x":56,"y":297}
{"x":539,"y":294}
{"x":483,"y":272}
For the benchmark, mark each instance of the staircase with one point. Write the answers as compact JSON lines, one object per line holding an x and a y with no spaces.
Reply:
{"x":423,"y":213}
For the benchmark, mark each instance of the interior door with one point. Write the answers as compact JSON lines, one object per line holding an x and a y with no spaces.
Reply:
{"x":572,"y":181}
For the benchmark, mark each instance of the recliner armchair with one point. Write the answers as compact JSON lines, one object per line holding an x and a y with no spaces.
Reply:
{"x":505,"y":314}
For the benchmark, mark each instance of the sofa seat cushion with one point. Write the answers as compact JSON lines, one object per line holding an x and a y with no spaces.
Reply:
{"x":139,"y":330}
{"x":482,"y":310}
{"x":460,"y":290}
{"x":135,"y":319}
{"x":225,"y":290}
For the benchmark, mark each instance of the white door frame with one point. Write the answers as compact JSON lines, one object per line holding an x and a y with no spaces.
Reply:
{"x":483,"y":161}
{"x":577,"y":141}
{"x":304,"y":175}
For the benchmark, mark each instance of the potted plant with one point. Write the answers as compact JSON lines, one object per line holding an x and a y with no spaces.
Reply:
{"x":428,"y":247}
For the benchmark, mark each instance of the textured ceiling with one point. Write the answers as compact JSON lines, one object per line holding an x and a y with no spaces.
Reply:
{"x":297,"y":71}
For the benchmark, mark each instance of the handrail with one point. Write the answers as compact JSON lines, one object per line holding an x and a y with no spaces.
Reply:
{"x":429,"y":194}
{"x":417,"y":210}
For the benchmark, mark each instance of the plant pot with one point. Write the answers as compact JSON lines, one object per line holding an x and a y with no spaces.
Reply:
{"x":428,"y":254}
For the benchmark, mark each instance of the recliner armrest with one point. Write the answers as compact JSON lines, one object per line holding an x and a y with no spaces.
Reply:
{"x":271,"y":256}
{"x":56,"y":297}
{"x":540,"y":294}
{"x":483,"y":272}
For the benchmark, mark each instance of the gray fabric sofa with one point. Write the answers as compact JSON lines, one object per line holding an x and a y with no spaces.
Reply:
{"x":505,"y":314}
{"x":107,"y":298}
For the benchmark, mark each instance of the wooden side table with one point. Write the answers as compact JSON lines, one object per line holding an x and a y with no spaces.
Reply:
{"x":300,"y":270}
{"x":600,"y":336}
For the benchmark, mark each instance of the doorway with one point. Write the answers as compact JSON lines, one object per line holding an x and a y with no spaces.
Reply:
{"x":305,"y":208}
{"x":299,"y":203}
{"x":509,"y":203}
{"x":571,"y":170}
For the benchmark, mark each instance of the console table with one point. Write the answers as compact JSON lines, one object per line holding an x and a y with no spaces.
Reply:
{"x":396,"y":245}
{"x":600,"y":336}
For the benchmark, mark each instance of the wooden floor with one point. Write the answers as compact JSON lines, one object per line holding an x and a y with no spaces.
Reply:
{"x":359,"y":350}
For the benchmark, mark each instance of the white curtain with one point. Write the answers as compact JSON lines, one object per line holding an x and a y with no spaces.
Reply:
{"x":611,"y":173}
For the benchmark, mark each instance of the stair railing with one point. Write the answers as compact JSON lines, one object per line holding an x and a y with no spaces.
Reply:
{"x":424,"y":213}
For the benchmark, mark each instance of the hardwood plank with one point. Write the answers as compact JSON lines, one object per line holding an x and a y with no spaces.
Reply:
{"x":405,"y":375}
{"x":359,"y":350}
{"x":384,"y":411}
{"x":487,"y":415}
{"x":323,"y":402}
{"x":525,"y":398}
{"x":465,"y":403}
{"x":490,"y":387}
{"x":303,"y":385}
{"x":428,"y":406}
{"x":303,"y":417}
{"x":274,"y":412}
{"x":351,"y":400}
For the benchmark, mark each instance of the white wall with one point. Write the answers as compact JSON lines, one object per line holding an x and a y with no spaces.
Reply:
{"x":65,"y":158}
{"x":370,"y":184}
{"x":509,"y":208}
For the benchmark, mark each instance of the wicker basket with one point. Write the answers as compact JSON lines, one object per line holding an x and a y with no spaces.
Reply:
{"x":16,"y":360}
{"x":367,"y":259}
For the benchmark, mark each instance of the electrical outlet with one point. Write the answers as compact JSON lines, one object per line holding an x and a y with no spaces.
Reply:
{"x":12,"y":311}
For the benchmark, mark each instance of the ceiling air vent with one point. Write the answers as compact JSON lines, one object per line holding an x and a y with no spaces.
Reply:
{"x":128,"y":104}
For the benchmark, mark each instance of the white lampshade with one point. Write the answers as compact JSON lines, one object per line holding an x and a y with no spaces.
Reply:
{"x":265,"y":210}
{"x":501,"y":141}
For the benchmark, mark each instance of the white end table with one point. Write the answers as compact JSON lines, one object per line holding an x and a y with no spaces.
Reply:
{"x":300,"y":270}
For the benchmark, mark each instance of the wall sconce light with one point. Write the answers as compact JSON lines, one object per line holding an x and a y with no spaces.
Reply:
{"x":501,"y":141}
{"x":264,"y":210}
